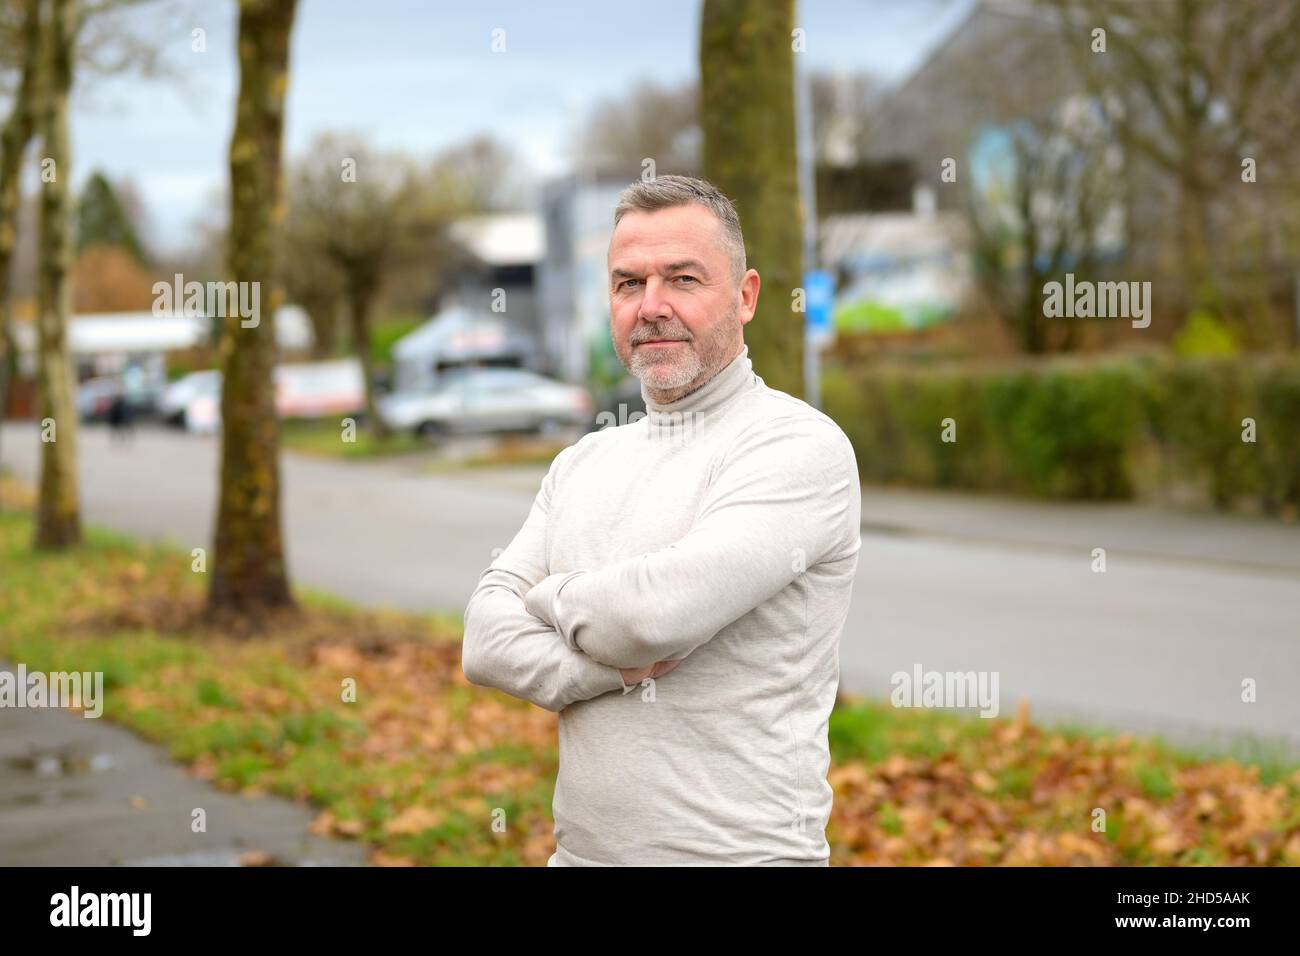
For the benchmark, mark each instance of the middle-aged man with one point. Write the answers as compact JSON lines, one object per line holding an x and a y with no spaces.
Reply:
{"x":678,"y":589}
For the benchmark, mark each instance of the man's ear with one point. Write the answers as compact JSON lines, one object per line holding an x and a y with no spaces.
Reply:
{"x":749,"y":295}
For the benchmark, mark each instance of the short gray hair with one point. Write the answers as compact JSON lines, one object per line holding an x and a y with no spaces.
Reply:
{"x":665,"y":192}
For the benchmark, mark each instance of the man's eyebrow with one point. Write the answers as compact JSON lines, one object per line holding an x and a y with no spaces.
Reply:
{"x":687,"y":265}
{"x":691,"y":265}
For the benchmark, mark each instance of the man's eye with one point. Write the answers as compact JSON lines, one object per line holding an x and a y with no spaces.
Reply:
{"x":623,"y":284}
{"x":687,"y":278}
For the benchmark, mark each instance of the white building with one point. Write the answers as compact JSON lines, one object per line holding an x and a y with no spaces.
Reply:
{"x":459,"y":336}
{"x":503,"y":251}
{"x":109,"y":343}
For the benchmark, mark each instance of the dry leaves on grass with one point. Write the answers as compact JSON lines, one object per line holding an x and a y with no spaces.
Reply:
{"x":433,"y":745}
{"x":1028,"y":797}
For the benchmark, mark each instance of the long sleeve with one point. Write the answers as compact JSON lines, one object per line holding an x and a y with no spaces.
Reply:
{"x":506,"y":647}
{"x":785,"y":497}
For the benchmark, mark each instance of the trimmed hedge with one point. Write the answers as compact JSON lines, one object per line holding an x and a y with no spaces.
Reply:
{"x":1065,"y":429}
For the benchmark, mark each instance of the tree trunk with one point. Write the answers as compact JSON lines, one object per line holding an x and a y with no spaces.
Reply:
{"x":323,"y":310}
{"x":58,"y":519}
{"x":1032,"y":321}
{"x":748,"y":121}
{"x":360,"y":314}
{"x":1199,"y":281}
{"x":1200,"y":284}
{"x":17,"y":133}
{"x":249,"y":574}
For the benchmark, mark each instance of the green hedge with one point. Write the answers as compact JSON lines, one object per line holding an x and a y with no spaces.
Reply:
{"x":1072,"y":430}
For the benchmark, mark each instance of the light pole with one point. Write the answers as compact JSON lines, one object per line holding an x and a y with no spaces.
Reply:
{"x":808,"y":199}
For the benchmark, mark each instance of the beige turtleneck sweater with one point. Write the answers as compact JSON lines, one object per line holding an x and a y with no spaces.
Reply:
{"x":722,"y":528}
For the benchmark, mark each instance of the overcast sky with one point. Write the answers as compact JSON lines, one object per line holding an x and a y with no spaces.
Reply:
{"x":420,"y":75}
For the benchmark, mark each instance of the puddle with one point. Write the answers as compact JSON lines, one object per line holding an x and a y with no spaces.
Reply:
{"x":67,"y":761}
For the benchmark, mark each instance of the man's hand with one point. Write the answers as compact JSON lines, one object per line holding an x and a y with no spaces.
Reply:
{"x":634,"y":675}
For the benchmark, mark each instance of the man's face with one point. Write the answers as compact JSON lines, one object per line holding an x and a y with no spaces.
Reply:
{"x":675,"y":311}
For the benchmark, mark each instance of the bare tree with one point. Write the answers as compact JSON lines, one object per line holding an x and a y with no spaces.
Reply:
{"x":845,"y":113}
{"x":482,"y":173}
{"x":352,"y":209}
{"x":55,"y":38}
{"x":358,"y":217}
{"x":1193,"y":87}
{"x":649,"y":121}
{"x":1045,"y":205}
{"x":22,"y":31}
{"x":312,"y":281}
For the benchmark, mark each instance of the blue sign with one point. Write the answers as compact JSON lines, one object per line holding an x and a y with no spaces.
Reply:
{"x":819,"y":296}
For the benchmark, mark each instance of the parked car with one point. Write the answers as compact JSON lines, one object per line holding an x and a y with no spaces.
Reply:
{"x":95,"y":397}
{"x":320,"y":389}
{"x":488,"y":400}
{"x":302,"y":390}
{"x":178,"y":395}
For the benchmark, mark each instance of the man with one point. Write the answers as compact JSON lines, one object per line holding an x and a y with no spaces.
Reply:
{"x":120,"y":415}
{"x":678,"y":590}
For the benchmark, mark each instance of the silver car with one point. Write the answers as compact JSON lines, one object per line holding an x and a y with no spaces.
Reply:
{"x":488,"y":400}
{"x":180,"y":394}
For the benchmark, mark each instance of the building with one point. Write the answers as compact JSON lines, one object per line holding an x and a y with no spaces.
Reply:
{"x":498,"y":270}
{"x":573,"y":285}
{"x":896,"y":271}
{"x":138,"y":347}
{"x":457,"y":337}
{"x":1000,"y":81}
{"x":1004,"y":62}
{"x":490,"y":314}
{"x":109,"y":343}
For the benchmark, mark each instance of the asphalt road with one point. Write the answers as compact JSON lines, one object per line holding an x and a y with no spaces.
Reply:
{"x":1188,"y":607}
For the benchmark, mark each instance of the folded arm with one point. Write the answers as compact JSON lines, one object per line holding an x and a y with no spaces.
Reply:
{"x":506,"y":647}
{"x":785,"y":496}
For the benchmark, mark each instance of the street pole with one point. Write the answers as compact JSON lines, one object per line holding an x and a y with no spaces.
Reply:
{"x":808,"y":199}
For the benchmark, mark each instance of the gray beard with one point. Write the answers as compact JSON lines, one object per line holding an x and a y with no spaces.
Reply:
{"x":705,"y":358}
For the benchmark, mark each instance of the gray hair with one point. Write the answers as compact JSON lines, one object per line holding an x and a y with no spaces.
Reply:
{"x":664,"y":192}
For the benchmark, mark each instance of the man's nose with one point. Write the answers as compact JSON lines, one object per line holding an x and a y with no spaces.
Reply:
{"x":654,"y":304}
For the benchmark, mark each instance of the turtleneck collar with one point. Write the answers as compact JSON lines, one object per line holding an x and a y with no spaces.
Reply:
{"x":729,"y":382}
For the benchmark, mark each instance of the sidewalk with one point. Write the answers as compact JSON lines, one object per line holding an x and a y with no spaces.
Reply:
{"x":77,"y":791}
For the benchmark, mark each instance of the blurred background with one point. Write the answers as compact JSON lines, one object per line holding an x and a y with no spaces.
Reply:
{"x":1097,"y":504}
